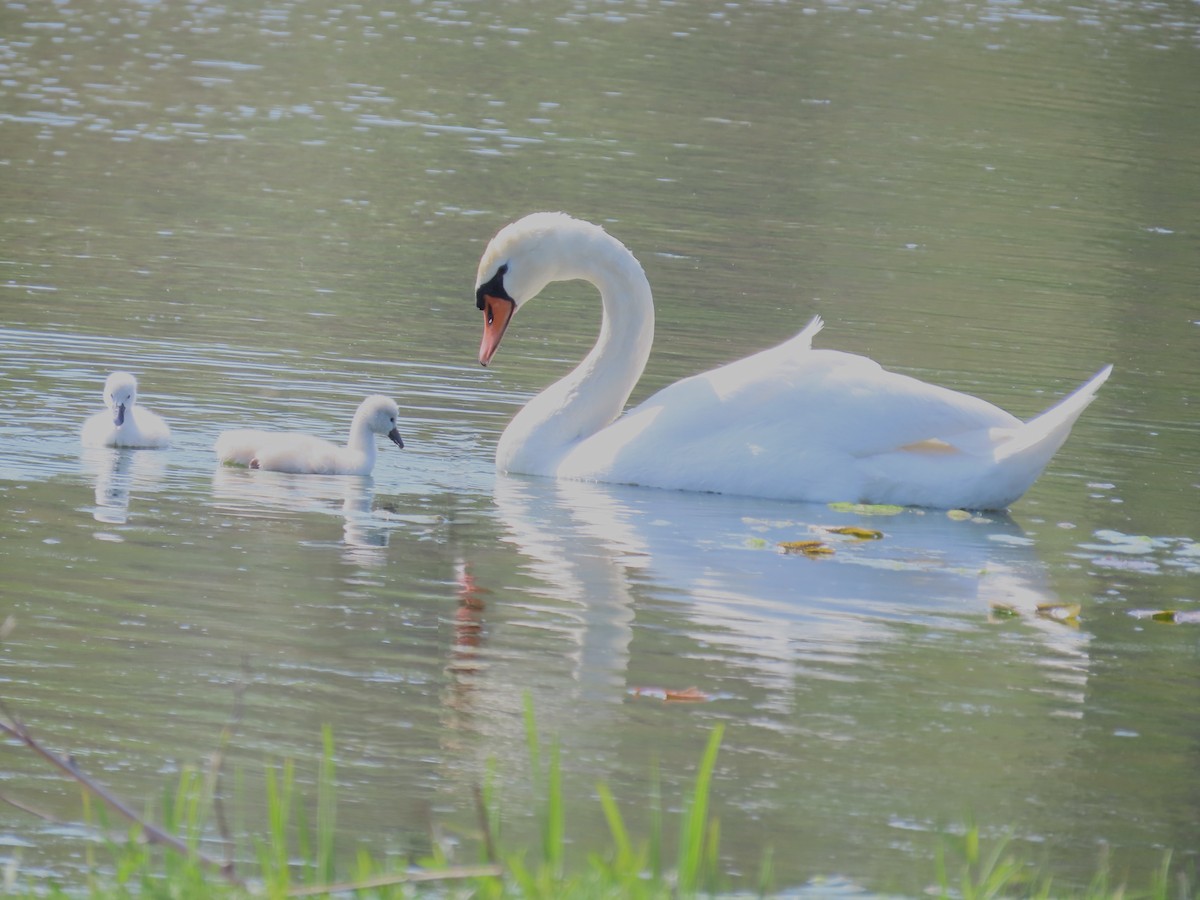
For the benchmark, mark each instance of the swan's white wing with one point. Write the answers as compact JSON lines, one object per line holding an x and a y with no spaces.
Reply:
{"x":288,"y":451}
{"x":239,"y":446}
{"x":151,"y":429}
{"x":841,"y":401}
{"x":303,"y":454}
{"x":784,"y":423}
{"x":98,"y":430}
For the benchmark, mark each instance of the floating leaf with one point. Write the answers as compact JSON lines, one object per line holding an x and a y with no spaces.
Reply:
{"x":1174,"y":616}
{"x":1117,"y":537}
{"x":959,"y":515}
{"x":1067,"y":613}
{"x":867,"y":509}
{"x":687,"y":695}
{"x":808,"y":548}
{"x":862,"y":534}
{"x":690,"y":695}
{"x":1126,"y":565}
{"x":1004,"y":611}
{"x":756,"y":543}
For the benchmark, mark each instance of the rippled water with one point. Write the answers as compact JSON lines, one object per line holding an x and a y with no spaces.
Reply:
{"x":268,"y":213}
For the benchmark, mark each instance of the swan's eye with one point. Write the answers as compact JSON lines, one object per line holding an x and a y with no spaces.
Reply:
{"x":493,"y":287}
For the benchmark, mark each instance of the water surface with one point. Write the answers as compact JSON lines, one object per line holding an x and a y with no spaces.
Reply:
{"x":269,"y":213}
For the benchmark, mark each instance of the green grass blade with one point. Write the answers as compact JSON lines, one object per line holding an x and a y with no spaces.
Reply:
{"x":491,"y":812}
{"x":766,"y":872}
{"x":695,"y":820}
{"x":712,"y":849}
{"x":555,"y":817}
{"x":616,"y":827}
{"x":656,"y":825}
{"x":326,"y":809}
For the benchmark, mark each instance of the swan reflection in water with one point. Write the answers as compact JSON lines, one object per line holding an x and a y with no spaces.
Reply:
{"x":365,"y":533}
{"x":704,"y":572}
{"x":118,"y":473}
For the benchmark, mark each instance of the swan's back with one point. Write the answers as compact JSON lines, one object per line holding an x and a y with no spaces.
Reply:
{"x":821,"y":425}
{"x":290,"y":452}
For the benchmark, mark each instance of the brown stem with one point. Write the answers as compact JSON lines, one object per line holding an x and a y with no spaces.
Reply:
{"x":32,"y":810}
{"x":155,"y":835}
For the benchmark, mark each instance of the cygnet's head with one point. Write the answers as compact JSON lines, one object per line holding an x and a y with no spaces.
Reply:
{"x":380,"y":413}
{"x":120,"y":393}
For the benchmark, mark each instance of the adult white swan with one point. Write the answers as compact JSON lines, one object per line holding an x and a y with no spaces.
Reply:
{"x":304,"y":454}
{"x":124,"y":424}
{"x":790,"y":422}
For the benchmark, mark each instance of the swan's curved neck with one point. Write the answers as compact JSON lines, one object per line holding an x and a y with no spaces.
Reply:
{"x":594,"y":394}
{"x":361,"y":439}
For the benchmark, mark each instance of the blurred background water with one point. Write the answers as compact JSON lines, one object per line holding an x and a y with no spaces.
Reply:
{"x":267,"y":212}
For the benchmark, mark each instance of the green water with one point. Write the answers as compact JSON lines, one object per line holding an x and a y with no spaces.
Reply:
{"x":270,"y":212}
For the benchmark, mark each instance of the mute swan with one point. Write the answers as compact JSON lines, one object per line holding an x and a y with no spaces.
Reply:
{"x":124,"y":424}
{"x":303,"y":454}
{"x":789,"y":422}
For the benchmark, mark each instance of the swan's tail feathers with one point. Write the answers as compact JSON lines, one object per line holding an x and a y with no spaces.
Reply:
{"x":809,"y":331}
{"x":1045,"y":433}
{"x":237,"y":447}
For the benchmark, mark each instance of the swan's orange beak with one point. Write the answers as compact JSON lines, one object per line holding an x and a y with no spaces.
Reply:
{"x":496,"y":314}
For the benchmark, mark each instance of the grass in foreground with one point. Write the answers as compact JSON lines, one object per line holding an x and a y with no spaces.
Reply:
{"x":297,"y":858}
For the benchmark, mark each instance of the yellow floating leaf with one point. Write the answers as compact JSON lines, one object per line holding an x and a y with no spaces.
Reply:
{"x":867,"y":509}
{"x":1060,"y":612}
{"x":808,"y":548}
{"x":1173,"y":616}
{"x":863,"y":534}
{"x":959,"y":515}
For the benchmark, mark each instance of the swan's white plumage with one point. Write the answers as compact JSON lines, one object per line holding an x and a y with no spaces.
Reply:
{"x":124,"y":423}
{"x":789,"y":422}
{"x":304,"y":454}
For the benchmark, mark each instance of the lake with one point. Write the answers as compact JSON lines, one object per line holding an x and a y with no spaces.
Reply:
{"x":269,"y":212}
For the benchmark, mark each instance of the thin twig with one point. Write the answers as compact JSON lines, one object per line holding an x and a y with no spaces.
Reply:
{"x":155,"y":835}
{"x":455,"y":874}
{"x":32,"y":810}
